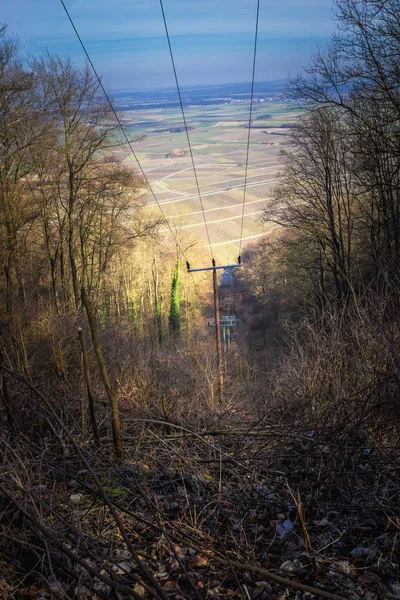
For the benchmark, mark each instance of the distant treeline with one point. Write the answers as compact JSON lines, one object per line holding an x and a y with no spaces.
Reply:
{"x":173,"y":129}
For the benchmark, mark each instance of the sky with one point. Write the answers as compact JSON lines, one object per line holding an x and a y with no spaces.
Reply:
{"x":212,"y":40}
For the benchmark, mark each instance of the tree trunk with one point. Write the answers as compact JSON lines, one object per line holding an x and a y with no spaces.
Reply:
{"x":116,"y":423}
{"x":89,"y":388}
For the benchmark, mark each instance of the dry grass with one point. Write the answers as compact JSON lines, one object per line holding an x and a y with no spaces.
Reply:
{"x":297,"y":472}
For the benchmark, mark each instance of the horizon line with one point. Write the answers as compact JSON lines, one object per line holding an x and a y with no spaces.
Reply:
{"x":200,"y":85}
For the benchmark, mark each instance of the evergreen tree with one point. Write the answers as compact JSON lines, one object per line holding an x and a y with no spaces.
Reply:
{"x":174,"y":311}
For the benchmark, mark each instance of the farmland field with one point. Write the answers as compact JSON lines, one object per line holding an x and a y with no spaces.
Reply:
{"x":218,"y":136}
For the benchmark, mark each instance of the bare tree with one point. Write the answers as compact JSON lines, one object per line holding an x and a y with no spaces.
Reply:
{"x":317,"y":194}
{"x":21,"y":127}
{"x":83,"y":127}
{"x":359,"y":75}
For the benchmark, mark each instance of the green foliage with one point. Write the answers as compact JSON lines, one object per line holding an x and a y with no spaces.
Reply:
{"x":174,"y":311}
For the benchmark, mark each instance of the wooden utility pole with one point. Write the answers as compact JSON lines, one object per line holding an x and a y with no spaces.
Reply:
{"x":220,"y":369}
{"x":218,"y":337}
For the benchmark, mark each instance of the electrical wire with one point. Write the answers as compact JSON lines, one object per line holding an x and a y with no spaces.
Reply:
{"x":185,"y":124}
{"x":250,"y":119}
{"x":127,"y":141}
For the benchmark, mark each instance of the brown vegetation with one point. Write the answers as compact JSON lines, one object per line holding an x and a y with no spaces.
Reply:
{"x":288,"y":486}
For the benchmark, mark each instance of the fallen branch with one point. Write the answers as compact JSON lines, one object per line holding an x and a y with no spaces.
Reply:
{"x":141,"y":565}
{"x":268,"y":575}
{"x":65,"y":550}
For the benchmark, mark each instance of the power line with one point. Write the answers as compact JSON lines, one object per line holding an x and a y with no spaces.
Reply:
{"x":127,"y":141}
{"x":250,"y":119}
{"x":185,"y":124}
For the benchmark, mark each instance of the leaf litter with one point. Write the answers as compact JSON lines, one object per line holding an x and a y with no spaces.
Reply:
{"x":280,"y":504}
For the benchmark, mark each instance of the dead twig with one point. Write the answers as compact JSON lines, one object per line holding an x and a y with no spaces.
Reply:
{"x":282,"y":580}
{"x":143,"y":568}
{"x":65,"y":550}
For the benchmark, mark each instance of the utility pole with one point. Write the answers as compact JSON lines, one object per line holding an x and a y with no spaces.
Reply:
{"x":218,"y":336}
{"x":220,"y":369}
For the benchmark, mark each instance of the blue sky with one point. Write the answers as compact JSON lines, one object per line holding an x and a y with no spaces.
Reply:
{"x":212,"y":39}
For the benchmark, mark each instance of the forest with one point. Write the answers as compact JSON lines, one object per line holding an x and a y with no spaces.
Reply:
{"x":126,"y":471}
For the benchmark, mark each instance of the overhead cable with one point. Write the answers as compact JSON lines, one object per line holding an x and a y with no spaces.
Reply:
{"x":127,"y":141}
{"x":185,"y":124}
{"x":250,"y":120}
